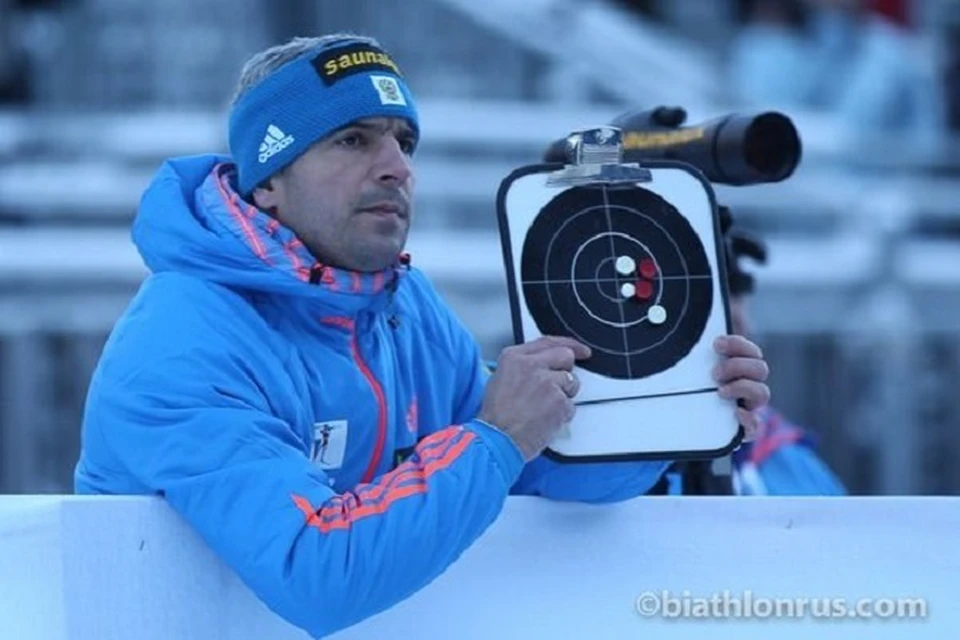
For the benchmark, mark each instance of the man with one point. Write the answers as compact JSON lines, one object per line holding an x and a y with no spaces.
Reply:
{"x":782,"y":458}
{"x":295,"y":389}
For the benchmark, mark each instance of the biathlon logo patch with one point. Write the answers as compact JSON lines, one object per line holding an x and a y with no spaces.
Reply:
{"x":329,"y":445}
{"x":342,"y":62}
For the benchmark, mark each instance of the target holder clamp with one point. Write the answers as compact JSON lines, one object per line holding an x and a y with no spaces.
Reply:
{"x":596,"y":155}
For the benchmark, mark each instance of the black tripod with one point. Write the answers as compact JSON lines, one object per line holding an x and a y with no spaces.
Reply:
{"x":707,"y":477}
{"x":698,"y":478}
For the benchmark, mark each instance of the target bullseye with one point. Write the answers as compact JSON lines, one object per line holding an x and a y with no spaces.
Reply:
{"x":633,"y":270}
{"x":622,"y":271}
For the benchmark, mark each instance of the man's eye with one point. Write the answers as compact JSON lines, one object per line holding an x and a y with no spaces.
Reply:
{"x":351,"y":140}
{"x":407,"y":145}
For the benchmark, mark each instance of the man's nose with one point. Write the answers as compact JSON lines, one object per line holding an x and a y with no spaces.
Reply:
{"x":393,"y":165}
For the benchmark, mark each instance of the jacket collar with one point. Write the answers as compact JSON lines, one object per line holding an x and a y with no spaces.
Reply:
{"x":281,"y":249}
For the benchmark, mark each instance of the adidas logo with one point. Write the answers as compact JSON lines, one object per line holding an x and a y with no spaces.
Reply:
{"x":273,"y":143}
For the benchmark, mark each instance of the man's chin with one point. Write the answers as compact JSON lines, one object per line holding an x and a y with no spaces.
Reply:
{"x":380,"y":256}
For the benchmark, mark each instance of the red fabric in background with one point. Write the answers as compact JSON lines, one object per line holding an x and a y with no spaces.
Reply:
{"x":897,"y":11}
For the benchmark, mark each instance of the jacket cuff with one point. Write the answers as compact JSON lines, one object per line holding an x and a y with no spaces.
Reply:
{"x":505,"y":451}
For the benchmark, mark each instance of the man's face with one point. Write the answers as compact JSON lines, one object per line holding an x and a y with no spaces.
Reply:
{"x":348,"y":197}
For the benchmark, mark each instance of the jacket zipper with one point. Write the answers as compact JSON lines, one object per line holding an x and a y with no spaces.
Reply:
{"x":377,"y":388}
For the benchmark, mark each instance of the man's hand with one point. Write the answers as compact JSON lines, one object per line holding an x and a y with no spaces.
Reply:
{"x":530,"y":396}
{"x":742,"y":374}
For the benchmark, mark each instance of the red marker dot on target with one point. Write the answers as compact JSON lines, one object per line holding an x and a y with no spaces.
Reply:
{"x":648,"y":268}
{"x":644,"y":289}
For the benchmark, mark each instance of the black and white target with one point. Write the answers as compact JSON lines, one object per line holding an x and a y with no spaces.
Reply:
{"x":621,"y":270}
{"x":634,"y":271}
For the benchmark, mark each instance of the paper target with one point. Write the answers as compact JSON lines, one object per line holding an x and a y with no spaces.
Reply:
{"x":634,"y":270}
{"x":621,"y":270}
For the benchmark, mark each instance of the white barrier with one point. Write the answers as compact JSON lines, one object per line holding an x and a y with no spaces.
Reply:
{"x":123,"y":568}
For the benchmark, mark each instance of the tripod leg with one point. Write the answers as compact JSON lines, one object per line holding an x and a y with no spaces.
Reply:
{"x":708,"y":477}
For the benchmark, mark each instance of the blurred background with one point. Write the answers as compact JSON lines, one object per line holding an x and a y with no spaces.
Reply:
{"x":858,"y":307}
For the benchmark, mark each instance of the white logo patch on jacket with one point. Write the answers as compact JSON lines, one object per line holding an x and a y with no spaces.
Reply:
{"x":329,"y":445}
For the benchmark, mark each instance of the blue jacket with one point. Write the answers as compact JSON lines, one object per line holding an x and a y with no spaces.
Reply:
{"x":316,"y":427}
{"x":783,"y":461}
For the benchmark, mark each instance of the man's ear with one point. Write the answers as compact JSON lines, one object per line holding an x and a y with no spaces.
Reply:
{"x":266,"y":196}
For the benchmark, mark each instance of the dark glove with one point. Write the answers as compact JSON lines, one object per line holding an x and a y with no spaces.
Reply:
{"x":739,"y":244}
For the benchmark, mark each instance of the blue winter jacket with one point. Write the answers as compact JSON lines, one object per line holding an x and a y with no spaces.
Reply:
{"x":318,"y":428}
{"x":783,"y":461}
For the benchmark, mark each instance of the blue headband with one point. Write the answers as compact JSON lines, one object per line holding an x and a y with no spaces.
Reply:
{"x":308,"y":99}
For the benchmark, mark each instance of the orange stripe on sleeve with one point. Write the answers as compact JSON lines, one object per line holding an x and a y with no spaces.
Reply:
{"x":342,"y":512}
{"x":431,"y":448}
{"x":371,"y":494}
{"x":370,"y":497}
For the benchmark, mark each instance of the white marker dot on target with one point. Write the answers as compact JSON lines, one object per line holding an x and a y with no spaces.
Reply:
{"x":657,"y":314}
{"x":626,"y":265}
{"x":627,"y":290}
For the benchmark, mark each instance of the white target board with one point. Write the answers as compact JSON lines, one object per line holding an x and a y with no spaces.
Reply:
{"x":636,"y":272}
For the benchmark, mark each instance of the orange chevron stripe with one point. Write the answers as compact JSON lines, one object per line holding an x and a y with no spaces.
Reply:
{"x":341,"y":513}
{"x":368,"y":495}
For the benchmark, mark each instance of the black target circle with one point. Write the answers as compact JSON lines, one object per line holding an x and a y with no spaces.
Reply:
{"x":575,"y":279}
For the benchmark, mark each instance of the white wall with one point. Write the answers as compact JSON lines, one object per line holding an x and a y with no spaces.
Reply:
{"x":123,"y":568}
